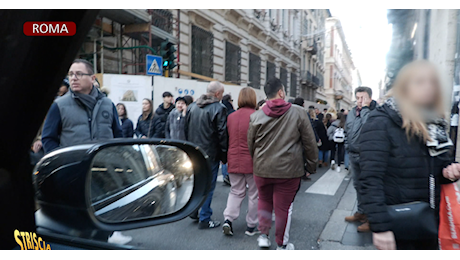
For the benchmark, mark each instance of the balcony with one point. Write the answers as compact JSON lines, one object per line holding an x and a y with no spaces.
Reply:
{"x":308,"y":79}
{"x":316,"y":81}
{"x":312,"y":47}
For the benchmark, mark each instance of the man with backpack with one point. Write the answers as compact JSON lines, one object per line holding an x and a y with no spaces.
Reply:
{"x":336,"y":134}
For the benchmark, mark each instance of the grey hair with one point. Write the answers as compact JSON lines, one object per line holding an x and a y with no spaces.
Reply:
{"x":215,"y":87}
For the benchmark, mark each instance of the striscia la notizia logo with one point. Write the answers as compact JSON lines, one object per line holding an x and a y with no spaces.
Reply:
{"x":30,"y":241}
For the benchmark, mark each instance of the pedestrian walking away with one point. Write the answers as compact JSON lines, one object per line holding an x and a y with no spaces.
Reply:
{"x":277,"y":147}
{"x":162,"y":113}
{"x":126,"y":123}
{"x":355,"y":121}
{"x":227,"y":101}
{"x":206,"y":126}
{"x":240,"y":165}
{"x":405,"y":153}
{"x":326,"y":145}
{"x":148,"y":124}
{"x":336,"y":135}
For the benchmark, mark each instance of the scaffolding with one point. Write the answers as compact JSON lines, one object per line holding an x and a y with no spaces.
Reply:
{"x":121,"y":38}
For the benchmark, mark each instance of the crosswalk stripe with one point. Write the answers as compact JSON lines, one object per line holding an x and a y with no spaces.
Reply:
{"x":328,"y":184}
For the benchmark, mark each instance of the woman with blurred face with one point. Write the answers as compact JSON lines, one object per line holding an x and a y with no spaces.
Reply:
{"x":406,"y":155}
{"x":147,"y":124}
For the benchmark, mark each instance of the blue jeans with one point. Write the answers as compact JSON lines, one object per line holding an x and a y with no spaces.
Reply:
{"x":224,"y":170}
{"x":323,"y":155}
{"x":347,"y":160}
{"x":206,"y":211}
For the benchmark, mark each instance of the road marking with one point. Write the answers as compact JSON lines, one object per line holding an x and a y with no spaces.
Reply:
{"x":329,"y":183}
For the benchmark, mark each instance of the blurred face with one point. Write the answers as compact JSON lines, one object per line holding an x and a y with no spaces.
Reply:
{"x":145,"y":106}
{"x":316,"y":111}
{"x":121,"y":110}
{"x":422,"y":89}
{"x":168,"y":100}
{"x":360,"y":97}
{"x":180,"y":105}
{"x":81,"y":81}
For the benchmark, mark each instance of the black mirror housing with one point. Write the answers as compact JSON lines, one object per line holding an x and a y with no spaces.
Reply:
{"x":62,"y":185}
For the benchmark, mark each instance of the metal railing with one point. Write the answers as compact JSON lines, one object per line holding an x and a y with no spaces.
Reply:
{"x":306,"y":75}
{"x":316,"y":80}
{"x":162,"y":19}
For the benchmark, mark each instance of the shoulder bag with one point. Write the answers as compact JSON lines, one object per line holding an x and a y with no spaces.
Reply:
{"x":415,"y":220}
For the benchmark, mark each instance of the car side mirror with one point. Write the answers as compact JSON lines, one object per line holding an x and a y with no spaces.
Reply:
{"x":119,"y":185}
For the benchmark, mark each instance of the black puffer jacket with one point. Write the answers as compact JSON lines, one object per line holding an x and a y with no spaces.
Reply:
{"x":148,"y":127}
{"x":162,"y":115}
{"x":394,"y":170}
{"x":206,"y":126}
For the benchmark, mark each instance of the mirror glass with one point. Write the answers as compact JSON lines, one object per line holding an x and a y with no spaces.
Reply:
{"x":130,"y":182}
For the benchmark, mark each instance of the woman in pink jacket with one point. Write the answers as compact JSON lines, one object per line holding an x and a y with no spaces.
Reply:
{"x":240,"y":165}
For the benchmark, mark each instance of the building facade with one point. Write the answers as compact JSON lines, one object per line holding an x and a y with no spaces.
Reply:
{"x":312,"y":55}
{"x":339,"y":67}
{"x":242,"y":47}
{"x":245,"y":47}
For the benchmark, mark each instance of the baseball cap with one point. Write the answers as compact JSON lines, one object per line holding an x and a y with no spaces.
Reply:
{"x":167,"y":94}
{"x":181,"y":99}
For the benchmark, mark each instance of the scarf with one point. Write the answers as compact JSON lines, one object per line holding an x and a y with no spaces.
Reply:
{"x":437,"y":129}
{"x":276,"y":107}
{"x":89,"y":101}
{"x":358,"y":111}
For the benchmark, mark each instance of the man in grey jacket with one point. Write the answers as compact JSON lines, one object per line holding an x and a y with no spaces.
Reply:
{"x":83,"y":115}
{"x":356,"y":118}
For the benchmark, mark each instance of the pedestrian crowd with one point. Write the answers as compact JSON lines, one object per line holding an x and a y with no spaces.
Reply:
{"x":398,"y":152}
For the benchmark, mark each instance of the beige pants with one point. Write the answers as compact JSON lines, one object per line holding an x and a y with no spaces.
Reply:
{"x":236,"y":197}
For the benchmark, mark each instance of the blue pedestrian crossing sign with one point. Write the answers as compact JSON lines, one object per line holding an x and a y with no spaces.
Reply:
{"x":154,"y":65}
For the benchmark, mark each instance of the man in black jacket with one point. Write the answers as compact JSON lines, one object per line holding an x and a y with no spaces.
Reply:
{"x":355,"y":121}
{"x":206,"y":126}
{"x":163,"y":111}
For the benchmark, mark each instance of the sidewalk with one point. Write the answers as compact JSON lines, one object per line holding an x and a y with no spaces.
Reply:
{"x":341,"y":235}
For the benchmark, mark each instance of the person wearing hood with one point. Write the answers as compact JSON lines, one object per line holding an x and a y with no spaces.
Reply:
{"x":405,"y":153}
{"x":163,"y":111}
{"x":84,"y":115}
{"x":206,"y":126}
{"x":277,"y":147}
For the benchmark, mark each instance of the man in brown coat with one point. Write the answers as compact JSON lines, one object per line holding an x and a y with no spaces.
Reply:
{"x":278,"y":135}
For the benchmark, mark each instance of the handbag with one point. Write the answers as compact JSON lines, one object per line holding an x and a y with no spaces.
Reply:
{"x":449,"y":217}
{"x":415,"y":220}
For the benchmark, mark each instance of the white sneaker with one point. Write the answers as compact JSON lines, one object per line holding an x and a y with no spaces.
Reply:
{"x":338,"y":169}
{"x":118,"y":238}
{"x":289,"y":246}
{"x":264,"y":241}
{"x":333,"y":165}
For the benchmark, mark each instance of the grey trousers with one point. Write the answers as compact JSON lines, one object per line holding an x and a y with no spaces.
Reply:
{"x":356,"y":172}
